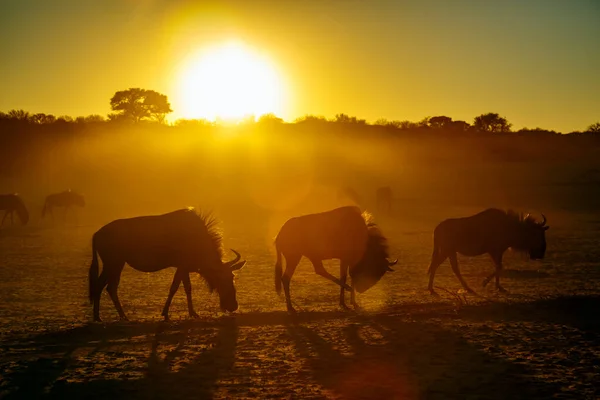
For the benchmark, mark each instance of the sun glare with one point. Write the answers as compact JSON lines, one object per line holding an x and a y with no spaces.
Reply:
{"x":229,"y":81}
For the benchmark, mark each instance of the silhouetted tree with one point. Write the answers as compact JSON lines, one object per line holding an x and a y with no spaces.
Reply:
{"x":138,"y":104}
{"x":41,"y":118}
{"x":439,"y":122}
{"x":346,"y":119}
{"x":310,"y":119}
{"x":94,"y":118}
{"x":269,"y":118}
{"x":491,"y":122}
{"x":594,"y":128}
{"x":64,"y":119}
{"x":536,"y":131}
{"x":459,"y":126}
{"x":20,"y":115}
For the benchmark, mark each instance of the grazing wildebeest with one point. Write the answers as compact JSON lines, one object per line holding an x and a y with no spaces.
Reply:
{"x":384,"y":199}
{"x":64,"y":199}
{"x":183,"y":239}
{"x":343,"y":233}
{"x":491,"y":231}
{"x":11,"y":203}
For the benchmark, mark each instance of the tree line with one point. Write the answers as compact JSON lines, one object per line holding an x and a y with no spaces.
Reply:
{"x":136,"y":105}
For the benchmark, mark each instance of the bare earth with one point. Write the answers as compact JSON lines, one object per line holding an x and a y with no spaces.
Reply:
{"x":540,"y":340}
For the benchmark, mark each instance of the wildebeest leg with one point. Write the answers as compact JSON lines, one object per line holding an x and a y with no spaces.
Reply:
{"x":498,"y":264}
{"x":436,"y":261}
{"x":291,"y":262}
{"x":187,"y":286}
{"x":113,"y":278}
{"x":343,"y":277}
{"x":174,"y":286}
{"x":320,"y":270}
{"x":100,"y":284}
{"x":5,"y":214}
{"x":454,"y":264}
{"x":12,"y":221}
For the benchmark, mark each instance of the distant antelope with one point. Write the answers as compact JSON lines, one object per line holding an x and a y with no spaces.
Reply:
{"x":491,"y":231}
{"x":13,"y":203}
{"x":343,"y":233}
{"x":384,"y":199}
{"x":66,"y":199}
{"x":182,"y":239}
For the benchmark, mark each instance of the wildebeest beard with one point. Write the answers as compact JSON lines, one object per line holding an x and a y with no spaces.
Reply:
{"x":374,"y":263}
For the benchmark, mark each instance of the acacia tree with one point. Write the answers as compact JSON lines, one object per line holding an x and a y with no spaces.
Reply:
{"x":491,"y":122}
{"x":595,"y":128}
{"x":439,"y":122}
{"x":137,"y":104}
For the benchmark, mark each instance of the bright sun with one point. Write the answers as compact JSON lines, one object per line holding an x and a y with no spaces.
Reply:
{"x":229,"y":81}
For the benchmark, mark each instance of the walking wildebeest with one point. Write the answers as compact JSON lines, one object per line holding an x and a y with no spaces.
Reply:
{"x":491,"y":231}
{"x":183,"y":239}
{"x":384,"y":199}
{"x":11,"y":203}
{"x":64,"y":199}
{"x":343,"y":233}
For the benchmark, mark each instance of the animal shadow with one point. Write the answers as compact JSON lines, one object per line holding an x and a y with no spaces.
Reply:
{"x":183,"y":359}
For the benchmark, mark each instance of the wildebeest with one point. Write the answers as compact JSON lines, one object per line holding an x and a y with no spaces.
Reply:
{"x":64,"y":199}
{"x":384,"y":199}
{"x":492,"y":231}
{"x":11,"y":203}
{"x":183,"y":239}
{"x":343,"y":233}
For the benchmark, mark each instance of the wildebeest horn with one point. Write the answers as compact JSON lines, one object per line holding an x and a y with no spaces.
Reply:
{"x":390,"y":264}
{"x":544,"y":221}
{"x":229,"y":264}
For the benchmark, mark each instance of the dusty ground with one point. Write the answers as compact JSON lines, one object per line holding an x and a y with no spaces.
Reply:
{"x":540,"y":340}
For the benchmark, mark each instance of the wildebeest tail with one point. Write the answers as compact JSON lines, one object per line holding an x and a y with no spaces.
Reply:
{"x":93,"y":274}
{"x":278,"y":269}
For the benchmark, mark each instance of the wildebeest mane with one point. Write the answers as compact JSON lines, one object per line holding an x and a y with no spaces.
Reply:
{"x":213,"y":235}
{"x":520,"y":218}
{"x":373,"y":264}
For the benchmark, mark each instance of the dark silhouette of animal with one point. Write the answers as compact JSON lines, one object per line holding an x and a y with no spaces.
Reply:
{"x":11,"y":203}
{"x":66,"y":199}
{"x":384,"y":199}
{"x":183,"y":239}
{"x":491,"y":231}
{"x":347,"y":193}
{"x":343,"y":233}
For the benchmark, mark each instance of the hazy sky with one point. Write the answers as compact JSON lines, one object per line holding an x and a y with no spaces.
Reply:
{"x":536,"y":62}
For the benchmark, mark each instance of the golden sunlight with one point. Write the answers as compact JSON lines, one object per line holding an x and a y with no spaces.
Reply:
{"x":229,"y":81}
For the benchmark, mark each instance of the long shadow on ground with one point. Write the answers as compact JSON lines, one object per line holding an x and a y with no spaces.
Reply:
{"x":398,"y":353}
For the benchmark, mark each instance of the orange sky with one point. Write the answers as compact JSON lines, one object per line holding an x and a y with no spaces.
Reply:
{"x":533,"y":62}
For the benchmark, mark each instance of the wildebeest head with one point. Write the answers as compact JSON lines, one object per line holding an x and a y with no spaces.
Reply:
{"x":219,"y":275}
{"x":374,"y":263}
{"x":532,"y":237}
{"x":224,"y":283}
